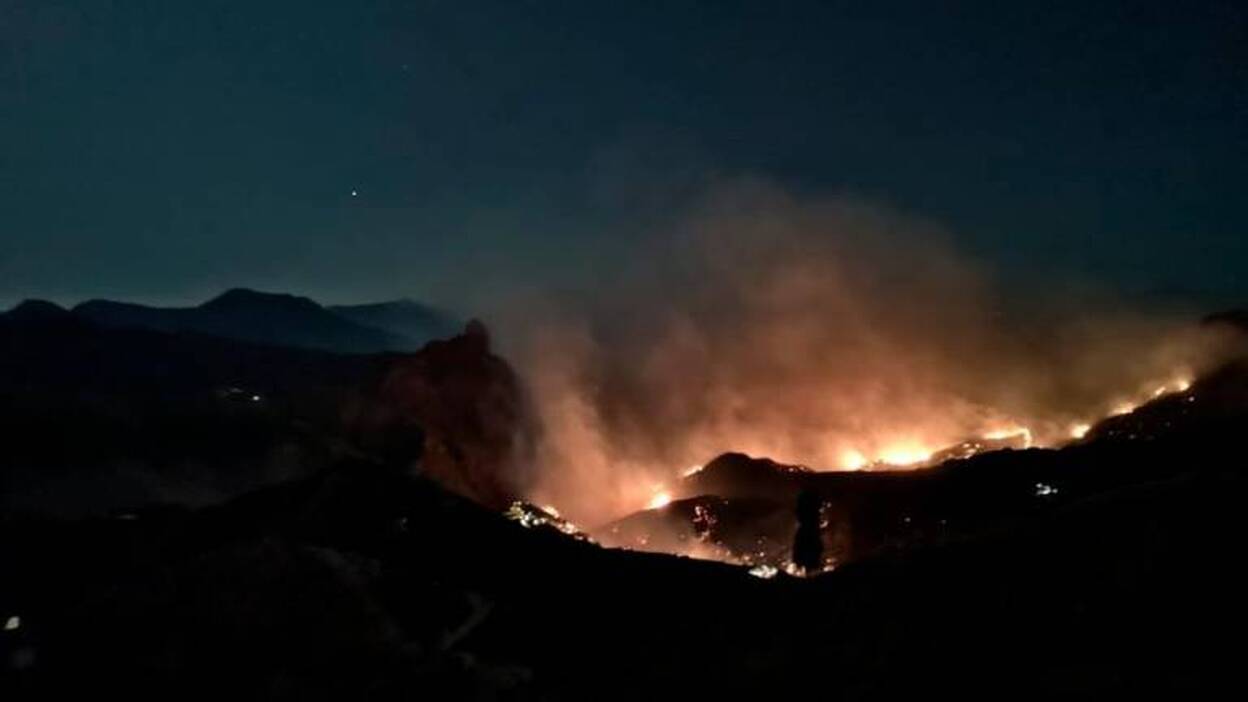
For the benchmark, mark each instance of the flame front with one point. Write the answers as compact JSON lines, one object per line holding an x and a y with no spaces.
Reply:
{"x":821,"y":334}
{"x":659,"y":500}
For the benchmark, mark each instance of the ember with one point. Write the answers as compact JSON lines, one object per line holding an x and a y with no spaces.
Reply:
{"x":765,"y":572}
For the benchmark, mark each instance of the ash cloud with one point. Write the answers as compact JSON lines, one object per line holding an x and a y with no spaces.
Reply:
{"x":821,"y":331}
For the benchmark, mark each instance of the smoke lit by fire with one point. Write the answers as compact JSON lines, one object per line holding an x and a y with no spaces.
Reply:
{"x":826,"y":334}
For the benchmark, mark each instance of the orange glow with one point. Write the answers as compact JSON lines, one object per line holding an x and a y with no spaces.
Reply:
{"x":1079,"y":431}
{"x":821,"y":332}
{"x":1011,"y":433}
{"x":659,"y":501}
{"x":1121,"y":408}
{"x":853,"y":460}
{"x":905,"y":455}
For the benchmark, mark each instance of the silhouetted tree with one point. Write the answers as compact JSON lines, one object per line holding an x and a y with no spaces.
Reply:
{"x":808,"y":542}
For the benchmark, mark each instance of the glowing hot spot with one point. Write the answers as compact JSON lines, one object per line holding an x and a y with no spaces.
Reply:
{"x":853,"y":460}
{"x":659,"y":501}
{"x":1011,"y":433}
{"x":905,"y":455}
{"x":1122,"y":408}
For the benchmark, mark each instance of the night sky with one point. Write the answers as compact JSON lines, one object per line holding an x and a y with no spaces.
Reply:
{"x":162,"y":151}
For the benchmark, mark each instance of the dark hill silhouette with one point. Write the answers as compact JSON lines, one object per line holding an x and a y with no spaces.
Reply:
{"x":1235,"y":318}
{"x":96,"y":418}
{"x":36,"y":311}
{"x":407,"y":318}
{"x":247,"y":315}
{"x":470,"y":405}
{"x":1107,"y":568}
{"x":363,"y":578}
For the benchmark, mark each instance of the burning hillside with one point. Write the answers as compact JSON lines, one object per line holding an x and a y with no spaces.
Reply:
{"x":739,"y":509}
{"x":829,"y":335}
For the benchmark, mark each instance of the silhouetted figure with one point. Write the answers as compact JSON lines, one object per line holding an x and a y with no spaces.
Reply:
{"x":808,"y":542}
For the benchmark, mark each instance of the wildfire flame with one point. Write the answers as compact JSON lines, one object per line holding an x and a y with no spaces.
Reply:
{"x":906,"y":454}
{"x":854,"y":460}
{"x":824,"y":333}
{"x":1122,"y":407}
{"x":660,"y":500}
{"x":913,"y":454}
{"x":1011,"y":433}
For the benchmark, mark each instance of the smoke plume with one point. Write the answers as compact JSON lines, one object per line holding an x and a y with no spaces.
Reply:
{"x":824,"y":332}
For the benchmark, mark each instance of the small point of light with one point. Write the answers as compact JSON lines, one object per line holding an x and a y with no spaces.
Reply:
{"x":355,"y":193}
{"x":13,"y":623}
{"x":766,"y":572}
{"x":1045,"y":490}
{"x":1079,"y":431}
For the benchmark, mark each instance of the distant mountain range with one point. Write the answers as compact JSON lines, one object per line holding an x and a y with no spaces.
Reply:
{"x":272,"y":319}
{"x":97,"y":418}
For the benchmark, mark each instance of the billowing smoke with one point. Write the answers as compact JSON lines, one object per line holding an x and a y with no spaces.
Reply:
{"x":825,"y":332}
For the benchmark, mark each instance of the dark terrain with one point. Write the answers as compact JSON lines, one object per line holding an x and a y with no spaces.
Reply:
{"x":165,"y":534}
{"x":284,"y":320}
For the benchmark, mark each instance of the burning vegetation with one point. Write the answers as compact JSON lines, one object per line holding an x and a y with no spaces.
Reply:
{"x":754,"y":524}
{"x":828,"y":336}
{"x":740,"y":510}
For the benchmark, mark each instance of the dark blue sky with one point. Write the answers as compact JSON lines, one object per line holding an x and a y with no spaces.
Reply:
{"x":164,"y":150}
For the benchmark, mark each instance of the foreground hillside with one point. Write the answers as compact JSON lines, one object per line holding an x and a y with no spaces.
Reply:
{"x":354,"y":545}
{"x":359,"y":581}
